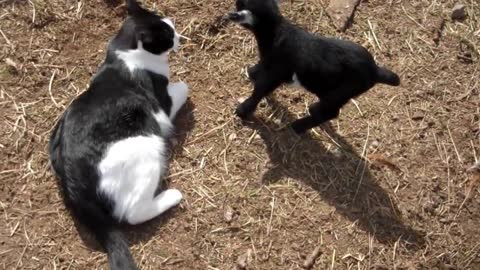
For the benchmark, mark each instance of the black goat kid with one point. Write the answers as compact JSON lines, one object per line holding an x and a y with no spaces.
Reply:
{"x":334,"y":70}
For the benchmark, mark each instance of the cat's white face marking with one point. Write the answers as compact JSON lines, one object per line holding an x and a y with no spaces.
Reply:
{"x":176,"y":37}
{"x":130,"y":173}
{"x":246,"y":17}
{"x":139,"y":58}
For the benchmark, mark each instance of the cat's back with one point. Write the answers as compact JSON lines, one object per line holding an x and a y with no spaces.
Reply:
{"x":107,"y":86}
{"x":110,"y":110}
{"x":112,"y":102}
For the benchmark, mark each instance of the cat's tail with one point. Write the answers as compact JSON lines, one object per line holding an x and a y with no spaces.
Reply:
{"x":119,"y":256}
{"x":387,"y":76}
{"x":108,"y":235}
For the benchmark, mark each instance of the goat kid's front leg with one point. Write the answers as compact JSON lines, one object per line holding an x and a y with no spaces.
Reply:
{"x":252,"y":72}
{"x":247,"y":107}
{"x":263,"y":86}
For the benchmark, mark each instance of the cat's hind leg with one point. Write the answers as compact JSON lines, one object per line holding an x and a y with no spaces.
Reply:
{"x":149,"y":209}
{"x":178,"y":92}
{"x":131,"y":171}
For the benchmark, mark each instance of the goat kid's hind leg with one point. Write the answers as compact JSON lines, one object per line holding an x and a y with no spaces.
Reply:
{"x":148,"y":209}
{"x":301,"y":125}
{"x":178,"y":92}
{"x":320,"y":112}
{"x":264,"y":84}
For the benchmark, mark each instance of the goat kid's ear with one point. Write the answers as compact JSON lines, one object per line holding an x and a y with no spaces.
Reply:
{"x":135,"y":9}
{"x":132,"y":7}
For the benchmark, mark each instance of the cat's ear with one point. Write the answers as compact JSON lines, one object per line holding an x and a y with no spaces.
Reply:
{"x":134,"y":9}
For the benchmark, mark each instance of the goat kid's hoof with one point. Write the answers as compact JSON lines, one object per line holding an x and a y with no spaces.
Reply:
{"x":298,"y":128}
{"x":243,"y":111}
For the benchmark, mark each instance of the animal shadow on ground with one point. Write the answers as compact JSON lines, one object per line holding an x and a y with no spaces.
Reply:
{"x":184,"y":123}
{"x":341,"y":178}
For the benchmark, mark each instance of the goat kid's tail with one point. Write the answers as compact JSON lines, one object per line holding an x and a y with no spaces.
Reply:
{"x":119,"y":256}
{"x":387,"y":76}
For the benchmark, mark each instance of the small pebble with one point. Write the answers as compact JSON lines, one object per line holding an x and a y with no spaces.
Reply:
{"x":228,"y":215}
{"x":458,"y":12}
{"x":418,"y":116}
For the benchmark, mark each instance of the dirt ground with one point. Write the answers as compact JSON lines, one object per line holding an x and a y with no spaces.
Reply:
{"x":384,"y":187}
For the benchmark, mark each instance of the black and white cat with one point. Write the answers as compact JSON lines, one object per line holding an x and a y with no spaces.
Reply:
{"x":109,"y":147}
{"x":334,"y":70}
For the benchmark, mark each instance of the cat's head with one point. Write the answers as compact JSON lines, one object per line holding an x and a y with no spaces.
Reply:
{"x":250,"y":13}
{"x":154,"y":33}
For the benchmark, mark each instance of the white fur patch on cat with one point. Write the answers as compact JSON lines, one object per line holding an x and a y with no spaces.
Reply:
{"x":130,"y":173}
{"x":139,"y":58}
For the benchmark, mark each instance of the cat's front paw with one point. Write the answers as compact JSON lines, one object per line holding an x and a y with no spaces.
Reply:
{"x":179,"y":93}
{"x":179,"y":86}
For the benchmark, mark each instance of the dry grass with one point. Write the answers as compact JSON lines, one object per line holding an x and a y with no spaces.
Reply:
{"x":386,"y":187}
